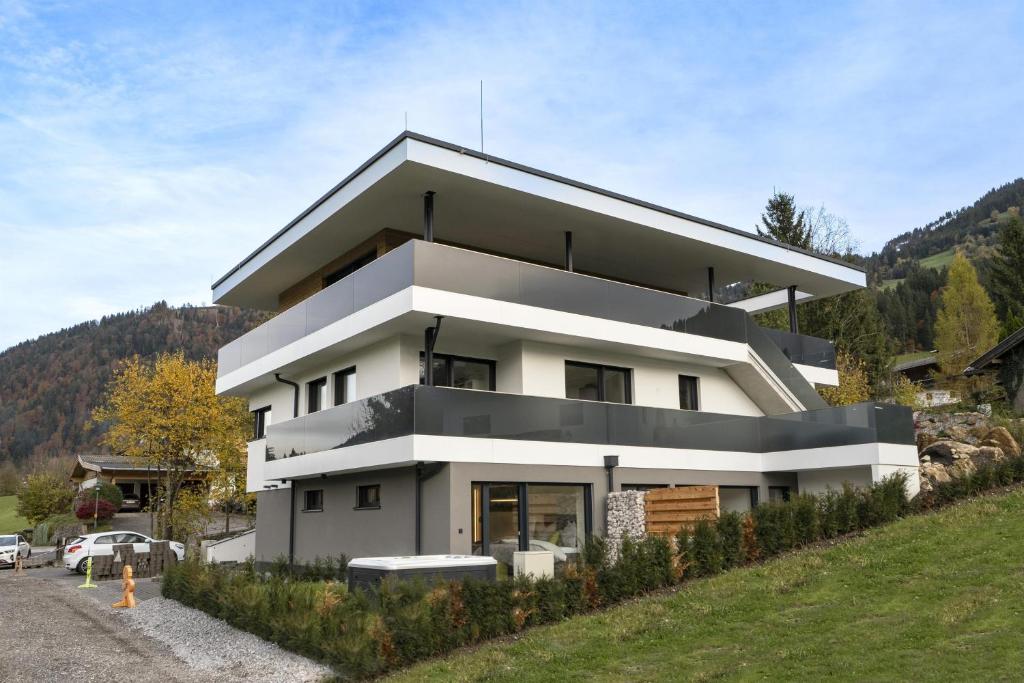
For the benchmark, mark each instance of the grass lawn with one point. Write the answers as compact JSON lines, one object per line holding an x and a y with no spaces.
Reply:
{"x":891,"y":284}
{"x":10,"y":522}
{"x":916,"y":355}
{"x":938,"y":261}
{"x":932,"y":597}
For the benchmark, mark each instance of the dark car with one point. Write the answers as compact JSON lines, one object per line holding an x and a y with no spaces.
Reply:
{"x":131,"y":503}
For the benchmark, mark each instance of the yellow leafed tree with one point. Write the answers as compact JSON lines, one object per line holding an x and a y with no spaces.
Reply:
{"x":853,"y":382}
{"x":167,"y":416}
{"x":966,"y":325}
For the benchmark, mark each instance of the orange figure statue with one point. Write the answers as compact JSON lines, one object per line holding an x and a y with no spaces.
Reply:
{"x":128,"y":587}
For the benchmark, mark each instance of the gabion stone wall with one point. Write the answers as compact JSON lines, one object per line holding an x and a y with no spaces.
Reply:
{"x":626,"y":518}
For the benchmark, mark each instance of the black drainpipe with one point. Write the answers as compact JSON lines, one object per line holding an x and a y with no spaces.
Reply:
{"x":429,"y":338}
{"x":610,"y":463}
{"x":291,"y":489}
{"x":423,"y":472}
{"x":295,"y":407}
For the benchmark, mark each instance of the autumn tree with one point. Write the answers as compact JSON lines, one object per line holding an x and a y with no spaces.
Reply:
{"x":853,"y":382}
{"x":44,"y":494}
{"x":168,"y":417}
{"x":966,"y":325}
{"x":1007,"y":276}
{"x":783,"y":222}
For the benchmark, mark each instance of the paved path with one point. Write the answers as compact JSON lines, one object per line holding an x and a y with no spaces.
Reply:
{"x":54,"y":633}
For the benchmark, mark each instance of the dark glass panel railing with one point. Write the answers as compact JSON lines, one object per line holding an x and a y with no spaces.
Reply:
{"x":802,"y":349}
{"x":442,"y":411}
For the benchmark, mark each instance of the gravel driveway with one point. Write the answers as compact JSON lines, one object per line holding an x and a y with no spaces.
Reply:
{"x":63,"y":633}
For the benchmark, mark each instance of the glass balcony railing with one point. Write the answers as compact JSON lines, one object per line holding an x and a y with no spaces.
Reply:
{"x":452,"y":269}
{"x":439,"y":411}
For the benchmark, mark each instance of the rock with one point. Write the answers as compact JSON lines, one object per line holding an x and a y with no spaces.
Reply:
{"x":958,"y":433}
{"x":926,"y":458}
{"x":946,"y":452}
{"x":935,"y":473}
{"x":961,"y":468}
{"x":1001,"y":438}
{"x":924,"y":440}
{"x":988,"y":454}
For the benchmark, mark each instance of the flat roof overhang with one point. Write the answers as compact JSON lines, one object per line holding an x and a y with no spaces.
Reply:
{"x":502,"y":207}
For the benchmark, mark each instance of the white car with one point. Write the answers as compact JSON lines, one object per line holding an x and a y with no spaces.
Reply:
{"x":82,"y":548}
{"x":12,"y":546}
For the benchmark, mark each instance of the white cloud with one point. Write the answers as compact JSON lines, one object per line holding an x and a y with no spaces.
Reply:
{"x":144,"y":152}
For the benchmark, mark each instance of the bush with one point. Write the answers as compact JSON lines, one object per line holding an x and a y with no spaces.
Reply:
{"x":365,"y":634}
{"x":42,"y":495}
{"x":101,"y":509}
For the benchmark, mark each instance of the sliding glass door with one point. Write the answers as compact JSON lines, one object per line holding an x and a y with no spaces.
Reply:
{"x":524,"y":516}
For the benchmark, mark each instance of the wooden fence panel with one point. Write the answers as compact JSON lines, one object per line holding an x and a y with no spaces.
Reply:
{"x":668,"y":510}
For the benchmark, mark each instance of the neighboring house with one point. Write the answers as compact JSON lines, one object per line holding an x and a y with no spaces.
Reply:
{"x":128,"y":475}
{"x":572,"y":348}
{"x":1006,"y":361}
{"x":921,"y":371}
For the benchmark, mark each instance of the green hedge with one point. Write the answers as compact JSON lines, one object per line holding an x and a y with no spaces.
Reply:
{"x":366,"y":634}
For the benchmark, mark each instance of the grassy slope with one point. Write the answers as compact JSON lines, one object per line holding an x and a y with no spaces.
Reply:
{"x":932,"y":597}
{"x":938,"y":261}
{"x":10,"y":522}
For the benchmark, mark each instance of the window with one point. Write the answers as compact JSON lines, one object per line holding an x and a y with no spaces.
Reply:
{"x":313,"y":500}
{"x":368,"y":497}
{"x":345,"y":386}
{"x":460,"y":372}
{"x":350,"y":268}
{"x":778,"y":493}
{"x":104,"y":540}
{"x":508,"y":517}
{"x":643,"y":487}
{"x":598,"y":383}
{"x":689,"y":398}
{"x":316,"y":395}
{"x":260,"y":420}
{"x":737,"y":498}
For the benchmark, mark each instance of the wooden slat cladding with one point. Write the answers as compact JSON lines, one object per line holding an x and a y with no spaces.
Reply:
{"x":380,"y":244}
{"x":668,"y":510}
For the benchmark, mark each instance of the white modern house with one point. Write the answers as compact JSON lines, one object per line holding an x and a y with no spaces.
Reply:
{"x":574,"y":346}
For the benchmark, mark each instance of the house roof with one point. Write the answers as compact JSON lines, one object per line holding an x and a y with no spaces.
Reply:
{"x":99,"y":462}
{"x":525,"y":211}
{"x":933,"y":359}
{"x":1002,"y":348}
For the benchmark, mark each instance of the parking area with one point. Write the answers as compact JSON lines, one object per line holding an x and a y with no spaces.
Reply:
{"x":56,"y":631}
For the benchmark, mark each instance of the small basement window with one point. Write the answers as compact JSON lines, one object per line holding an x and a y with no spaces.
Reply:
{"x":368,"y":497}
{"x":313,"y":501}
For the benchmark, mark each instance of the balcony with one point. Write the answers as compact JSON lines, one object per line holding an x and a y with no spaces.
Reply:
{"x":438,"y":411}
{"x":451,"y":269}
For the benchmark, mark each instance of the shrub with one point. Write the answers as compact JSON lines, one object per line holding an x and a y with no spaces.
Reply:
{"x":101,"y":509}
{"x":806,"y":520}
{"x":773,"y":523}
{"x":705,"y":549}
{"x":730,"y":538}
{"x":42,"y":495}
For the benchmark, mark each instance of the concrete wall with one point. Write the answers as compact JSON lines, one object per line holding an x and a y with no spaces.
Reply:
{"x":271,"y":524}
{"x":817,"y":482}
{"x":340,"y":528}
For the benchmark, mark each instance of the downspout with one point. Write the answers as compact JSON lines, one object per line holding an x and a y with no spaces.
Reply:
{"x":610,"y":463}
{"x":423,"y":473}
{"x":291,"y":489}
{"x":293,"y":385}
{"x":429,"y":338}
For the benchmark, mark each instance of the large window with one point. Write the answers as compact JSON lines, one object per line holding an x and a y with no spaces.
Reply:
{"x":598,"y":382}
{"x":316,"y":395}
{"x":349,"y":268}
{"x":345,"y":386}
{"x":460,"y":372}
{"x":260,"y":420}
{"x":689,"y":395}
{"x":518,"y":516}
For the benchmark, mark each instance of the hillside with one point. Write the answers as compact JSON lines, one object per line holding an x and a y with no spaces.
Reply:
{"x":49,"y":385}
{"x":931,"y":597}
{"x":973,"y":229}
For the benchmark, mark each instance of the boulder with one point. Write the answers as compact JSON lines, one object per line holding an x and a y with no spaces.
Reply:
{"x":946,"y":452}
{"x":1001,"y":438}
{"x":988,"y":454}
{"x":924,"y":440}
{"x":959,"y":433}
{"x":961,"y":468}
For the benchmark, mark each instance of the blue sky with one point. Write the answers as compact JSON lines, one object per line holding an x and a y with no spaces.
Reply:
{"x":145,"y":148}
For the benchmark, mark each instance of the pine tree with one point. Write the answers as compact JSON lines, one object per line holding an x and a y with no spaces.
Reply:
{"x":782,"y":222}
{"x":1007,"y":276}
{"x":966,"y":325}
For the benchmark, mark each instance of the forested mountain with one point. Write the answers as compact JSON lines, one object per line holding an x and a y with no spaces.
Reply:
{"x":910,"y":270}
{"x":49,"y":385}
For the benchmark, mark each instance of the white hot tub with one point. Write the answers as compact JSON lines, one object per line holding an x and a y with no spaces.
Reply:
{"x":368,"y":572}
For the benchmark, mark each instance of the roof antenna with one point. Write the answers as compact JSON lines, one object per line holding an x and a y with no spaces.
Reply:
{"x":481,"y":116}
